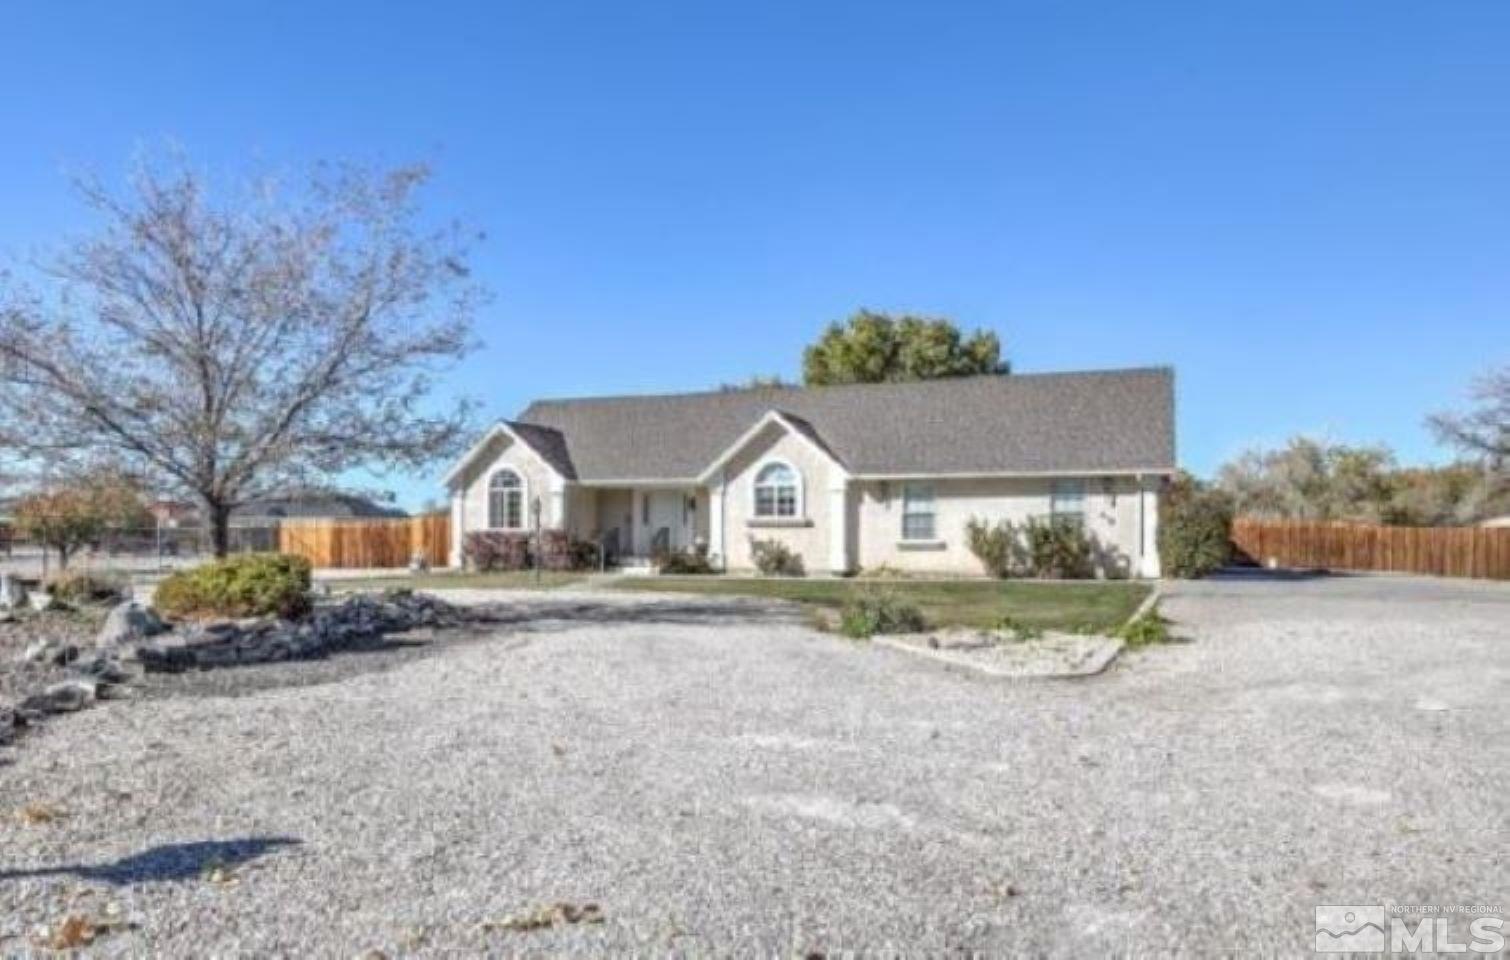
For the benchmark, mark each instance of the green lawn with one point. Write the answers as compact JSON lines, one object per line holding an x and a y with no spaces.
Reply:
{"x":966,"y":603}
{"x":510,"y":580}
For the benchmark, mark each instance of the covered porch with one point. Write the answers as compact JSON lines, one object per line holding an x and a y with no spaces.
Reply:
{"x":633,"y":522}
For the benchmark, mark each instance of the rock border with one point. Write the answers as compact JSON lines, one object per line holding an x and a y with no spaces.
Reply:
{"x":907,"y":643}
{"x":133,"y":640}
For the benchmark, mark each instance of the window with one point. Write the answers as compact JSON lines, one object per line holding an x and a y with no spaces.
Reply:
{"x":506,"y":501}
{"x":917,"y":512}
{"x":778,"y":491}
{"x":1067,"y":499}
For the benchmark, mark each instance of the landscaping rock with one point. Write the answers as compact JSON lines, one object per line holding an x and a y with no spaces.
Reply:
{"x":128,"y":622}
{"x":65,"y":697}
{"x":42,"y":601}
{"x":50,"y":651}
{"x":8,"y":724}
{"x":12,"y":594}
{"x":331,"y":627}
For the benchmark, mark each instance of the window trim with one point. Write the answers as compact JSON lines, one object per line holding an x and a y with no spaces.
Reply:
{"x":798,"y":484}
{"x":931,"y":513}
{"x":523,"y":489}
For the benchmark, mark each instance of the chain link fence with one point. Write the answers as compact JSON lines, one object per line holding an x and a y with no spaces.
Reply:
{"x":130,"y":550}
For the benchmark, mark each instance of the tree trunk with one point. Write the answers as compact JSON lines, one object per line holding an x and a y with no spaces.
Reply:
{"x":219,"y":518}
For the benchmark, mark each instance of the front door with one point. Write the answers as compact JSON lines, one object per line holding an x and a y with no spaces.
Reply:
{"x":665,"y":510}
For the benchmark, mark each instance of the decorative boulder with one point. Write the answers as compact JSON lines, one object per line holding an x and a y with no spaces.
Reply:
{"x":128,"y":622}
{"x":12,"y":593}
{"x":65,"y":697}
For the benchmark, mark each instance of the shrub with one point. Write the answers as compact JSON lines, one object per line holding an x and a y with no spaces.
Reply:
{"x":81,"y":587}
{"x":1019,"y":630}
{"x":488,"y":550}
{"x":879,"y":611}
{"x":247,"y":585}
{"x":1195,"y":530}
{"x":884,"y":571}
{"x":1058,"y":548}
{"x":775,"y":559}
{"x":693,"y":560}
{"x":997,"y":546}
{"x":1151,"y":627}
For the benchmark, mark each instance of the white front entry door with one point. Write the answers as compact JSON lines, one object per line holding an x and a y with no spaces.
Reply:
{"x":665,"y":509}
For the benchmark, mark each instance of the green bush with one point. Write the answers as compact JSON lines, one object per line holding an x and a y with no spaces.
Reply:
{"x":1195,"y":530}
{"x":1058,"y":548}
{"x":879,"y":611}
{"x":775,"y":559}
{"x":997,"y":546}
{"x":1152,"y":627}
{"x":75,"y":587}
{"x":248,"y":585}
{"x":693,"y":560}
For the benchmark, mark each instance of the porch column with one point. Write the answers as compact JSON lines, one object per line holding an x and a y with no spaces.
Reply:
{"x":1148,"y":525}
{"x":458,"y":526}
{"x":555,"y":507}
{"x":838,"y":525}
{"x":716,"y":522}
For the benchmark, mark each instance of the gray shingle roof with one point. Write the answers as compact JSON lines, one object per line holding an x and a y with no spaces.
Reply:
{"x":1099,"y":421}
{"x":547,"y":442}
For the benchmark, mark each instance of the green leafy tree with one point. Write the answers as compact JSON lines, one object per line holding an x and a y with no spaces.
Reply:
{"x":875,"y":347}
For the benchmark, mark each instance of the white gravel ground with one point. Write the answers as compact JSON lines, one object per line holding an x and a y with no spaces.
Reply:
{"x":720,"y":779}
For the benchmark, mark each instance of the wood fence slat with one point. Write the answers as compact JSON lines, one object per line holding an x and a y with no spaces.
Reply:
{"x":1480,"y":552}
{"x":368,"y":543}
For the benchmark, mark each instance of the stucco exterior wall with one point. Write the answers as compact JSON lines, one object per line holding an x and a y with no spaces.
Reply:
{"x":540,"y":482}
{"x":809,"y":535}
{"x":1111,"y":516}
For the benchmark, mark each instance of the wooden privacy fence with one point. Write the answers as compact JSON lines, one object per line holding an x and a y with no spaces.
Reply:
{"x":1441,"y":551}
{"x":368,"y":543}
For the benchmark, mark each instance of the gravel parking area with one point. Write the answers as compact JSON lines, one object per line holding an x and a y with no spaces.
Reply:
{"x":717,"y":778}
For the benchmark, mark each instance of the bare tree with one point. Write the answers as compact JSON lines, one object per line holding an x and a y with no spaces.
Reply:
{"x":231,"y":349}
{"x":1484,"y":431}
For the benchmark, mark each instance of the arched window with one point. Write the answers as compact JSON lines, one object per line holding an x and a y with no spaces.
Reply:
{"x":778,"y":491}
{"x":506,"y":501}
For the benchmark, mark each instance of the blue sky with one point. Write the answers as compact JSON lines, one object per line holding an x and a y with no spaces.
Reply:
{"x":1303,"y":207}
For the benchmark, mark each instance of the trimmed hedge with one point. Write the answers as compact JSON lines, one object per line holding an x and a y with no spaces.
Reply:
{"x":247,"y":585}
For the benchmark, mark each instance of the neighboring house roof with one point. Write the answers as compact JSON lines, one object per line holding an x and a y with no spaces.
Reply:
{"x":314,"y":505}
{"x":1083,"y":423}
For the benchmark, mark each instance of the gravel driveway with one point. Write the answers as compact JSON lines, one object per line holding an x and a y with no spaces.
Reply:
{"x":717,"y":778}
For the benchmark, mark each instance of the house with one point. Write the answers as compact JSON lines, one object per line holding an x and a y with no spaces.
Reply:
{"x":850,"y":477}
{"x":312,"y":504}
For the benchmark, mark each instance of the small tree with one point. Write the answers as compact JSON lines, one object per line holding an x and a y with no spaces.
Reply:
{"x":235,"y":347}
{"x":80,"y":514}
{"x":1195,"y":529}
{"x":877,"y":348}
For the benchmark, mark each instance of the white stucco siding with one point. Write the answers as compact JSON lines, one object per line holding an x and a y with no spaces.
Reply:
{"x":541,"y":483}
{"x":1111,"y":516}
{"x":809,"y":535}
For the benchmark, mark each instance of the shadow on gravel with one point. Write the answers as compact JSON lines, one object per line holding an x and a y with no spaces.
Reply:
{"x":553,"y":615}
{"x":164,"y":864}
